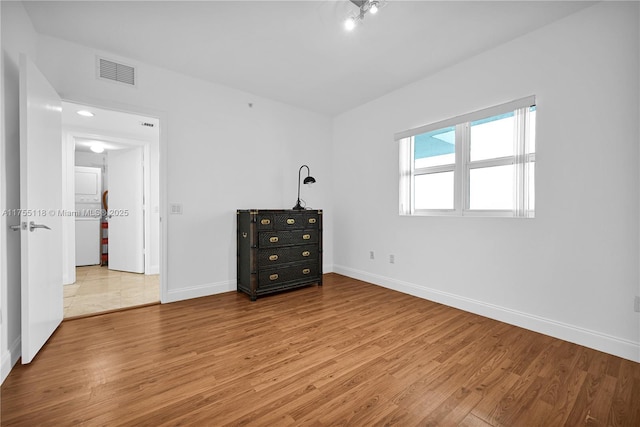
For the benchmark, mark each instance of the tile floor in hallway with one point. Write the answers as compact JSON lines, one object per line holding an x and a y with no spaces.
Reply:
{"x":99,"y":289}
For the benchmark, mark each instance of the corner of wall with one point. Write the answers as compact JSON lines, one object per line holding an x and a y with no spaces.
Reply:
{"x":9,"y":358}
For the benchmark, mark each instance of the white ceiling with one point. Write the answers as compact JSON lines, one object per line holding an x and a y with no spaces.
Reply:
{"x":297,"y":52}
{"x":114,"y":130}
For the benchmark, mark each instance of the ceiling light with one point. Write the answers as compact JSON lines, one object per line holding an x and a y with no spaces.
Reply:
{"x":85,"y":113}
{"x":97,"y":148}
{"x":350,"y":23}
{"x":364,"y":6}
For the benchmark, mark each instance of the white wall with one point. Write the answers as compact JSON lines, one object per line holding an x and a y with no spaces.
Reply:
{"x":572,"y":272}
{"x":221,"y":155}
{"x":18,"y":36}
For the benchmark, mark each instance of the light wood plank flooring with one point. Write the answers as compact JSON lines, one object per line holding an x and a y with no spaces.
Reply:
{"x":98,"y":289}
{"x":344,"y":354}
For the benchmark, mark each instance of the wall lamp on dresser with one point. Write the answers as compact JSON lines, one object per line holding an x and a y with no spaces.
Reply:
{"x":308,"y":180}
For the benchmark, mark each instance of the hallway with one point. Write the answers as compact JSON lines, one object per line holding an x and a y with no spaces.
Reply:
{"x":98,"y":289}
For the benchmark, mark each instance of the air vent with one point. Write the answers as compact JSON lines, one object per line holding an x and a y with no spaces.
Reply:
{"x":116,"y":72}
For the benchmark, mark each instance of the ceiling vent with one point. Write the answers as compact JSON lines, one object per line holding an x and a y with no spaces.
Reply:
{"x":116,"y":72}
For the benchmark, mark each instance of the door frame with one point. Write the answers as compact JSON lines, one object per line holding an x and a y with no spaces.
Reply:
{"x":161,"y":116}
{"x":69,"y":191}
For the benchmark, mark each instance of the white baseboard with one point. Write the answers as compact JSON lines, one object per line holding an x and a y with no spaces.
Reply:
{"x":214,"y":288}
{"x":9,"y":359}
{"x":200,"y":291}
{"x":153,"y":269}
{"x":603,"y":342}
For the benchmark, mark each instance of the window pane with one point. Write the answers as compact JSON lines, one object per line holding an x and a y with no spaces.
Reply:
{"x":435,"y":148}
{"x":492,"y":137}
{"x":491,"y":188}
{"x":434,"y":191}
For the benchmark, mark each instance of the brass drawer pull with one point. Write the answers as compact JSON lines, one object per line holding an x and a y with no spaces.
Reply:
{"x":291,"y":221}
{"x":306,"y":271}
{"x":273,"y":239}
{"x":306,"y":236}
{"x":265,"y":221}
{"x":312,"y":220}
{"x":273,"y":277}
{"x":273,"y":257}
{"x":306,"y":253}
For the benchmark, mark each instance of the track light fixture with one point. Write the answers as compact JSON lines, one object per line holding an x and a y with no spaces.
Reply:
{"x":364,"y":6}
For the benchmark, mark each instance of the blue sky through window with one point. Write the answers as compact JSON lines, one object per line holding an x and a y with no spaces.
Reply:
{"x":435,"y":143}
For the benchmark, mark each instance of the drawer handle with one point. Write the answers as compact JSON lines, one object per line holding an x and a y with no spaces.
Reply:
{"x":306,"y":253}
{"x":273,"y":277}
{"x":273,"y":257}
{"x":306,"y":236}
{"x":265,"y":221}
{"x":306,"y":271}
{"x":312,"y":220}
{"x":291,"y":221}
{"x":273,"y":239}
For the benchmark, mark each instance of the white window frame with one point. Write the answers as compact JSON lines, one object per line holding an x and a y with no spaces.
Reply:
{"x":522,"y":159}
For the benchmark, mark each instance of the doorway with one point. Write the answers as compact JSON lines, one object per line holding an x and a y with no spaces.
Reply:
{"x":98,"y":139}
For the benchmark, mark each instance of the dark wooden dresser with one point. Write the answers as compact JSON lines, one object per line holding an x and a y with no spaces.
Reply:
{"x":278,"y":250}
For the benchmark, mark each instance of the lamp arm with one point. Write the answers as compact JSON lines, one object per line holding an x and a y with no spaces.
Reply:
{"x":299,"y":171}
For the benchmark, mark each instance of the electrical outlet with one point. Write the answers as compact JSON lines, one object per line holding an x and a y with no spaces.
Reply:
{"x":392,"y":259}
{"x":371,"y":255}
{"x":636,"y":305}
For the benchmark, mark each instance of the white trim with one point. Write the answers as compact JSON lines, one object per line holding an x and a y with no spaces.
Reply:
{"x":10,"y":358}
{"x":68,"y":204}
{"x":153,"y":269}
{"x":461,"y":176}
{"x":589,"y":338}
{"x":451,"y":167}
{"x":198,"y":291}
{"x":146,"y":182}
{"x":469,"y":117}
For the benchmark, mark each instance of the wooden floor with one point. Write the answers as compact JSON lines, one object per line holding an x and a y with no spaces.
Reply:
{"x":347,"y":353}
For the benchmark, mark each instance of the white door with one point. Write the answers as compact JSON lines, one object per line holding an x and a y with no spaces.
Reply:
{"x":126,"y":215}
{"x":40,"y":202}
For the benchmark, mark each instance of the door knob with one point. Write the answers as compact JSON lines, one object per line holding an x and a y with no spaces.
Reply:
{"x":33,"y":226}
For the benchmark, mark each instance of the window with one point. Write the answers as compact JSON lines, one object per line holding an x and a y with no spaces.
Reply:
{"x":480,"y":164}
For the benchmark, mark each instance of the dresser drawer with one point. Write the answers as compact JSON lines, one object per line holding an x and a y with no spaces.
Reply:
{"x":264,"y":221}
{"x":285,"y":238}
{"x":274,"y":277}
{"x":293,"y":221}
{"x":282,"y":255}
